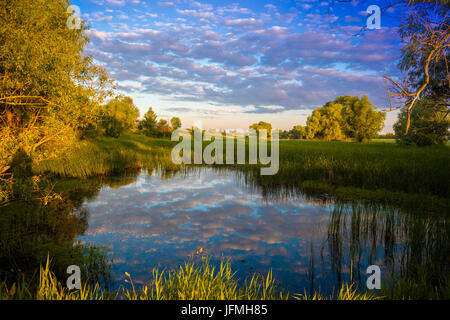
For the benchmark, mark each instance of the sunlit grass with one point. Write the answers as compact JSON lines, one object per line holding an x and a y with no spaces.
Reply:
{"x":190,"y":281}
{"x":346,"y":292}
{"x":368,"y":166}
{"x":205,"y":282}
{"x":106,"y":155}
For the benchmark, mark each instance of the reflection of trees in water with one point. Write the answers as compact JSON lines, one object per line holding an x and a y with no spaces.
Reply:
{"x":402,"y":243}
{"x":30,"y":230}
{"x":408,"y":241}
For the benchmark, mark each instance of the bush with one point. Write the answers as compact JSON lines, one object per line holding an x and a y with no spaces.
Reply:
{"x":429,"y":125}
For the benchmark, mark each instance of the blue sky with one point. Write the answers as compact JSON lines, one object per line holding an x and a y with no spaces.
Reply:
{"x":232,"y":63}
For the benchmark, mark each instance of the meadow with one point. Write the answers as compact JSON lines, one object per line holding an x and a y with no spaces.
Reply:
{"x":380,"y":171}
{"x":373,"y":169}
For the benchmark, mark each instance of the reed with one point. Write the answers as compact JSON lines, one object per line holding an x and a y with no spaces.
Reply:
{"x":190,"y":281}
{"x":364,"y":166}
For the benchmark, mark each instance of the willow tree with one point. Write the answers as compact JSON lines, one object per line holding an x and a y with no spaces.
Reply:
{"x":262,"y":126}
{"x":325,"y":123}
{"x":49,"y":89}
{"x":361,"y":119}
{"x":119,"y":114}
{"x":346,"y":117}
{"x":176,"y":123}
{"x":424,"y":59}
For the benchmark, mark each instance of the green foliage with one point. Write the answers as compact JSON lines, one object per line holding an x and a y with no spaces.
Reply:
{"x":49,"y":90}
{"x":417,"y":286}
{"x":262,"y":126}
{"x":346,"y":117}
{"x":119,"y":114}
{"x":113,"y":126}
{"x":48,"y":86}
{"x":429,"y":124}
{"x":369,"y":166}
{"x":107,"y":155}
{"x":176,"y":123}
{"x":163,"y":129}
{"x":297,"y":132}
{"x":361,"y":120}
{"x":326,"y":122}
{"x":148,"y":124}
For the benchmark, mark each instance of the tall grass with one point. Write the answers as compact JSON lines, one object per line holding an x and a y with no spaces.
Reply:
{"x":105,"y":155}
{"x":190,"y":281}
{"x":205,"y":282}
{"x":369,"y":166}
{"x":364,"y":165}
{"x":346,"y":292}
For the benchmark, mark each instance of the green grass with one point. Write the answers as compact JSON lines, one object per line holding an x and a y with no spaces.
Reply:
{"x":105,"y":155}
{"x":190,"y":281}
{"x":367,"y":166}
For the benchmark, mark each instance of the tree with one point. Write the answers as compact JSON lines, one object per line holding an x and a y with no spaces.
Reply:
{"x":284,"y":134}
{"x":426,"y":125}
{"x":113,"y":127}
{"x":118,"y":114}
{"x":176,"y":123}
{"x":163,"y":128}
{"x":325,"y":122}
{"x":49,"y":90}
{"x":261,"y":126}
{"x":148,"y":124}
{"x":361,"y":120}
{"x":297,"y":132}
{"x":424,"y":57}
{"x":345,"y":117}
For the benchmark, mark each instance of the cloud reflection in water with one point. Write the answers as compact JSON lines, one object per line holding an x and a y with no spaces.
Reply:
{"x":160,"y":222}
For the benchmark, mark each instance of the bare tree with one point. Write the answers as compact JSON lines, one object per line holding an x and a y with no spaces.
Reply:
{"x":426,"y":33}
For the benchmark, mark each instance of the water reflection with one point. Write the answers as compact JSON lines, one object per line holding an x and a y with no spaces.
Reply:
{"x":308,"y":241}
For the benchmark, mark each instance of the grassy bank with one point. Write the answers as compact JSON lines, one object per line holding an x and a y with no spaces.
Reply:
{"x":104,"y":156}
{"x":341,"y":167}
{"x":369,"y":166}
{"x":191,"y":281}
{"x":203,"y":281}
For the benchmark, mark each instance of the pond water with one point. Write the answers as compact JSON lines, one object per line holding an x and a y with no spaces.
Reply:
{"x":308,"y":241}
{"x":146,"y":219}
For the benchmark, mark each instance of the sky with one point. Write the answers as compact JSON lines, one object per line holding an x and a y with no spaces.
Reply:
{"x":228,"y":64}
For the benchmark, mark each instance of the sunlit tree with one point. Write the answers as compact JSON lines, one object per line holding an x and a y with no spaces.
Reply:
{"x":49,"y":89}
{"x":119,"y":114}
{"x":176,"y":123}
{"x":426,"y":124}
{"x":163,"y":128}
{"x":261,"y":126}
{"x":326,"y":123}
{"x":148,"y":124}
{"x":361,"y":119}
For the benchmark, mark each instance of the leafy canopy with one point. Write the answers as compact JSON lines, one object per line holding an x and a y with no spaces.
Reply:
{"x":346,"y":117}
{"x":429,"y":124}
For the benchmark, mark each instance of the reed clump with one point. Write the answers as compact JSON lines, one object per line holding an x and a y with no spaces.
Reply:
{"x":190,"y":281}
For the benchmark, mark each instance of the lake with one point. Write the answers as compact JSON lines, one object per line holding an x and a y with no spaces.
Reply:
{"x":309,"y":241}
